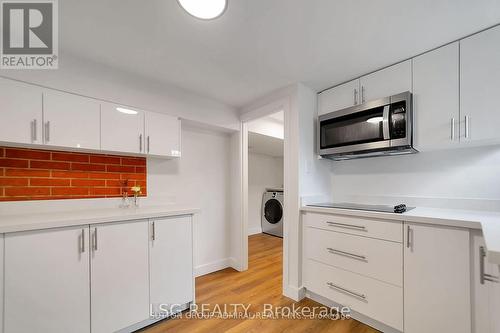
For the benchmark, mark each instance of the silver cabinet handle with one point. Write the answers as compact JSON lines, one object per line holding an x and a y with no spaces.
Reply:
{"x":452,"y":129}
{"x":33,"y":130}
{"x":153,"y":233}
{"x":362,"y":94}
{"x":355,"y":96}
{"x":347,"y":254}
{"x":148,"y":143}
{"x":466,"y":127}
{"x":482,"y":275}
{"x":409,"y":236}
{"x":140,"y":143}
{"x":347,"y":291}
{"x":346,"y":226}
{"x":47,"y":131}
{"x":94,"y":242}
{"x":82,"y":247}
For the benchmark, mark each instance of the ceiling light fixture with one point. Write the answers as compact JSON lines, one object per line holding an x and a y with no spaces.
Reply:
{"x":204,"y":9}
{"x":126,"y":111}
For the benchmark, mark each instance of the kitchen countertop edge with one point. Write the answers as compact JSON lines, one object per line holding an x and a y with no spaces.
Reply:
{"x":49,"y":220}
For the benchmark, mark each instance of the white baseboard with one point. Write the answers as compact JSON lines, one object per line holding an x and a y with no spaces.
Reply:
{"x":254,"y":230}
{"x":235,"y":264}
{"x":213,"y":266}
{"x":295,"y":293}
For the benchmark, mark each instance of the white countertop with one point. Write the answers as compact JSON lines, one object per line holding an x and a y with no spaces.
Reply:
{"x":34,"y":221}
{"x":488,"y":222}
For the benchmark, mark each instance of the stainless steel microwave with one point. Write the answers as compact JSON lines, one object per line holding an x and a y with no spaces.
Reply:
{"x":374,"y":128}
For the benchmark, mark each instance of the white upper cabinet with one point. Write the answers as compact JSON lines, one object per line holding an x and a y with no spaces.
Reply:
{"x":20,"y":112}
{"x":120,"y":275}
{"x":171,"y":262}
{"x":479,"y":86}
{"x":339,"y":97}
{"x":71,"y":121}
{"x":436,"y":98}
{"x":122,"y":129}
{"x":436,"y":279}
{"x":47,"y":281}
{"x":163,"y":135}
{"x":386,"y":82}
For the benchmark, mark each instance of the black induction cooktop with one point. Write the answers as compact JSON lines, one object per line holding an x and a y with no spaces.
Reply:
{"x":374,"y":208}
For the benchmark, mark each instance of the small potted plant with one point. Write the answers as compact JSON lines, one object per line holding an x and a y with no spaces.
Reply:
{"x":137,"y":191}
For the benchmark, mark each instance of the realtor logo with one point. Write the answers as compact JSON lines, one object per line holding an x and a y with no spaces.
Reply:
{"x":29,"y":34}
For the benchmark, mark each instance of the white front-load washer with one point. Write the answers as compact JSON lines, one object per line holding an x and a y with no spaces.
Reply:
{"x":272,"y":212}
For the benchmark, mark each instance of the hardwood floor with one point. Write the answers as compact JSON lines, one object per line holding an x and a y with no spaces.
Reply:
{"x":260,"y":284}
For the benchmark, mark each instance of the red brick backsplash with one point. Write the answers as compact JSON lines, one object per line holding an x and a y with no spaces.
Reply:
{"x":32,"y":174}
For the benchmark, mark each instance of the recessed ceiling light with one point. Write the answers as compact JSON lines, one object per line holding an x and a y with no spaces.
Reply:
{"x":126,"y":111}
{"x":204,"y":9}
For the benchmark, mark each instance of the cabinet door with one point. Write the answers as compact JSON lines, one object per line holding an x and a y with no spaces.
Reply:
{"x":436,"y":99}
{"x":120,"y":278}
{"x":171,"y":260}
{"x":122,"y":129}
{"x":47,"y":281}
{"x":339,"y":97}
{"x":486,"y":292}
{"x":163,"y":135}
{"x":71,"y":121}
{"x":20,"y":112}
{"x":436,"y":280}
{"x":386,"y":82}
{"x":479,"y":82}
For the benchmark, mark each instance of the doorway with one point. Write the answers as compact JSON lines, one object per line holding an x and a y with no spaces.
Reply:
{"x":265,"y":175}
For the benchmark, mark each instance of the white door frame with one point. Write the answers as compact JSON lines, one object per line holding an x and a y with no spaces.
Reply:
{"x":282,"y":104}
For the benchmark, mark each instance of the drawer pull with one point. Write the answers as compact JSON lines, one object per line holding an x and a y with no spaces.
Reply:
{"x":347,"y":254}
{"x":347,"y":291}
{"x":346,"y":226}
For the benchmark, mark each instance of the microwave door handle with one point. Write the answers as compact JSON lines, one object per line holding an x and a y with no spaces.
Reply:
{"x":385,"y":123}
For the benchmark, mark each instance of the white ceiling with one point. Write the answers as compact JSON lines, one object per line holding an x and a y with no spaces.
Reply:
{"x":264,"y":144}
{"x":271,"y":125}
{"x":262,"y":45}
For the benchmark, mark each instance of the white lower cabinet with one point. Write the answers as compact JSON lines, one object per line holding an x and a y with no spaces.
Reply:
{"x":436,"y":279}
{"x":373,"y":298}
{"x":171,"y":260}
{"x":47,"y":281}
{"x":97,"y":279}
{"x":356,"y":262}
{"x":486,"y":289}
{"x":119,"y":275}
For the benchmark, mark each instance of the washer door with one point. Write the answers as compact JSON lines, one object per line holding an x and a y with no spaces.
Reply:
{"x":273,"y":212}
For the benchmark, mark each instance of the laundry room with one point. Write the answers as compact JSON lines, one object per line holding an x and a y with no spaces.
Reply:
{"x":265,"y":176}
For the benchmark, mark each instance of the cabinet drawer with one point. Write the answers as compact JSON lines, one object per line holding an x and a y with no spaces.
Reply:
{"x":377,"y":300}
{"x":383,"y":229}
{"x":375,"y":258}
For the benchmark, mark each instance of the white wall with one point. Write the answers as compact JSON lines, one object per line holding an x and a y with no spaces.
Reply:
{"x":466,"y":178}
{"x":263,"y":172}
{"x":199,"y":179}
